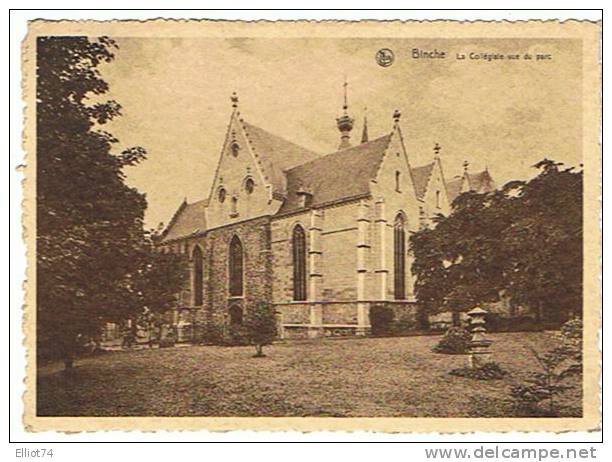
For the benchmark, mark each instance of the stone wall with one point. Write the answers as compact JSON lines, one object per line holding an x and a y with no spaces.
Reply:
{"x":294,"y":313}
{"x":339,"y":264}
{"x":432,"y":204}
{"x":282,"y":259}
{"x":257,"y":274}
{"x":402,"y":317}
{"x":310,"y":319}
{"x":388,"y":202}
{"x":257,"y":269}
{"x":336,"y":228}
{"x":340,"y":313}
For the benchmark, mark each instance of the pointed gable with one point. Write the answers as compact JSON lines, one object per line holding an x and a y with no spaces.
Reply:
{"x":339,"y":176}
{"x":481,"y":181}
{"x":249,"y":179}
{"x":420,"y":178}
{"x":478,"y":182}
{"x":454,"y":187}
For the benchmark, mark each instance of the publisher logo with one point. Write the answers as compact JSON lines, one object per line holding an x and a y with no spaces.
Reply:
{"x":385,"y":57}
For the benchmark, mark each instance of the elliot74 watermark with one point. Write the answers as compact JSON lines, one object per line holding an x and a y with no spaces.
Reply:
{"x":23,"y":453}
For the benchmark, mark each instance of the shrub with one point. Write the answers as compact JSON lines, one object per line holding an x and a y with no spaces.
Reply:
{"x":168,"y":340}
{"x":488,"y":371}
{"x":538,"y":394}
{"x":455,"y":341}
{"x":572,"y":331}
{"x":210,"y":334}
{"x":381,"y":320}
{"x":260,"y":326}
{"x":497,"y":323}
{"x":237,"y":335}
{"x":422,"y":318}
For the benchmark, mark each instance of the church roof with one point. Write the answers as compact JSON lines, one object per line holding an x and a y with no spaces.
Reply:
{"x":453,"y":188}
{"x":478,"y":182}
{"x":337,"y":176}
{"x":189,"y":219}
{"x":420,"y":178}
{"x":276,"y":155}
{"x":296,"y":173}
{"x":481,"y":181}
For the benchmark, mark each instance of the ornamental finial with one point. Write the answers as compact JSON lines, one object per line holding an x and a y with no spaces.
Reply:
{"x":437,"y":150}
{"x":345,"y":122}
{"x":234,"y":99}
{"x":345,"y":105}
{"x":396,"y":115}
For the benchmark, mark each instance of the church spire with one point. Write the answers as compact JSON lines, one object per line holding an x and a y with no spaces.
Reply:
{"x":364,"y":134}
{"x":345,"y":122}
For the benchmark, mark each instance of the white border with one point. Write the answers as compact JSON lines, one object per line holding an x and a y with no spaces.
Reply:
{"x":18,"y":27}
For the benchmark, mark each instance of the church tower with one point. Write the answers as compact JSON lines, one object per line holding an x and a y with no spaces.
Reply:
{"x":345,"y":123}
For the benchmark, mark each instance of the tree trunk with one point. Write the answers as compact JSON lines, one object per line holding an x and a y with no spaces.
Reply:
{"x":422,"y":318}
{"x":68,"y":363}
{"x":259,"y":351}
{"x":540,"y":311}
{"x":456,"y":319}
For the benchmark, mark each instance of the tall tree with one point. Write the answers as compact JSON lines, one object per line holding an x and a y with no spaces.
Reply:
{"x":160,"y":277}
{"x":89,"y":222}
{"x":457,"y":262}
{"x":524,"y":239}
{"x":543,"y":244}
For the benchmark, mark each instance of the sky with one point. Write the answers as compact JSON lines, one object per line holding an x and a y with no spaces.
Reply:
{"x":504,"y":115}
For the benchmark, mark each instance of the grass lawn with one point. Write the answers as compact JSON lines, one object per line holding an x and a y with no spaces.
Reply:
{"x":345,"y":377}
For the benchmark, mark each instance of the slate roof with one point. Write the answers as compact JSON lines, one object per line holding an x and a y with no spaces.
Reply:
{"x":276,"y":155}
{"x":481,"y":181}
{"x":188,"y":219}
{"x":332,"y":178}
{"x":341,"y":175}
{"x":420,"y":178}
{"x":453,"y":188}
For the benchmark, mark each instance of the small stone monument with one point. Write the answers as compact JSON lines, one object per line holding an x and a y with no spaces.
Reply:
{"x":479,"y":346}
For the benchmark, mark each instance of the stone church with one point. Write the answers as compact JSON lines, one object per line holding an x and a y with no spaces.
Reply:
{"x":323,"y":238}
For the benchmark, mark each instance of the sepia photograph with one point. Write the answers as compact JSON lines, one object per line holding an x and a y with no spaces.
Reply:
{"x":318,"y":221}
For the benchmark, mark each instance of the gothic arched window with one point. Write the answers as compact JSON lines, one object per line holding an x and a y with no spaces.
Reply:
{"x":235,"y":267}
{"x":299,"y":263}
{"x":399,"y":260}
{"x":198,"y":276}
